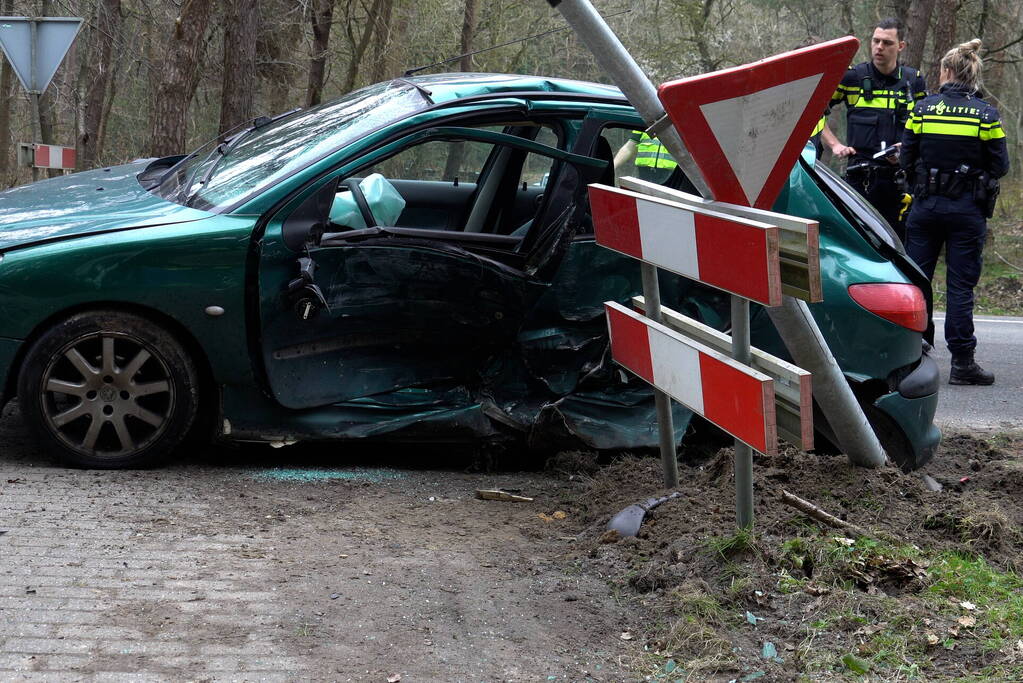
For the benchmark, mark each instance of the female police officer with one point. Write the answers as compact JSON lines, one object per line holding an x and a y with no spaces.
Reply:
{"x":954,"y":151}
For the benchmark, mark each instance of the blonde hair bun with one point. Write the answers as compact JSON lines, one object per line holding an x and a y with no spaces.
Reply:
{"x":970,"y":46}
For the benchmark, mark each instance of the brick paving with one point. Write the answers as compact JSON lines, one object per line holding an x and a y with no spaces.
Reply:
{"x":106,"y":575}
{"x":206,"y":571}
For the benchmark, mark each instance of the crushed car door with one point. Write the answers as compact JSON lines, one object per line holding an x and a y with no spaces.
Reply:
{"x":352,"y":311}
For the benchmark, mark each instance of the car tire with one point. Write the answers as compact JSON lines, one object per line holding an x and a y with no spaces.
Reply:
{"x":113,"y":369}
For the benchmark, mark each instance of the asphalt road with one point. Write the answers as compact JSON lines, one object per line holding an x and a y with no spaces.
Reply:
{"x":1000,"y":350}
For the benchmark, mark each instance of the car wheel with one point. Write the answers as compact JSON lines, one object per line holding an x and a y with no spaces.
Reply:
{"x":108,"y":389}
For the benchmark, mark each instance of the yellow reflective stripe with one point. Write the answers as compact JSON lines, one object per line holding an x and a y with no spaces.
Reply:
{"x":819,"y":127}
{"x":876,"y":103}
{"x":966,"y":119}
{"x":849,"y":88}
{"x":993,"y":134}
{"x":956,"y":129}
{"x":914,"y":125}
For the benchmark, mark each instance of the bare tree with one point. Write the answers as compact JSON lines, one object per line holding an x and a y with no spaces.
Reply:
{"x":381,"y":46}
{"x":96,"y":73}
{"x":239,"y":79}
{"x":944,"y":38}
{"x":321,"y":17}
{"x":457,"y":151}
{"x":918,"y":21}
{"x":359,"y":40}
{"x":174,"y":83}
{"x":6,"y":85}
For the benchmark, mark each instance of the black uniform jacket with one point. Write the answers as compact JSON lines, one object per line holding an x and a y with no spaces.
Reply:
{"x":877,"y":105}
{"x":951,"y":128}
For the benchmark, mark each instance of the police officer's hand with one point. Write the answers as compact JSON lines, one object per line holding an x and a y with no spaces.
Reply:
{"x":893,"y":158}
{"x":840,"y":150}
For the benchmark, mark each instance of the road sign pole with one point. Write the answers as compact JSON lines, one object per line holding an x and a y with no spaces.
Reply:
{"x":33,"y":93}
{"x":743,"y":461}
{"x":665,"y":423}
{"x":617,"y":63}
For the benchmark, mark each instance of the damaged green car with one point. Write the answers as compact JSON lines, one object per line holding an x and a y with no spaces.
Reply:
{"x":413,"y":262}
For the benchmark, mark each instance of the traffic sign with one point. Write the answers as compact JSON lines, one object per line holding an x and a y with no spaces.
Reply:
{"x":793,"y":394}
{"x":735,"y":254}
{"x":51,"y":156}
{"x":53,"y":37}
{"x":736,"y":398}
{"x":746,"y":126}
{"x":799,"y":242}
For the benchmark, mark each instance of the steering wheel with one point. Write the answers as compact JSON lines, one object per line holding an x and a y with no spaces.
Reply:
{"x":360,"y":201}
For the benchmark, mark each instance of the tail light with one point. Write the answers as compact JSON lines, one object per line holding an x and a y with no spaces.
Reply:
{"x":901,"y":304}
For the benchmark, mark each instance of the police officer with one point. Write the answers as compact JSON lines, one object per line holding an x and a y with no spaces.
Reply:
{"x":955,"y":151}
{"x":878,"y":96}
{"x":652,"y":160}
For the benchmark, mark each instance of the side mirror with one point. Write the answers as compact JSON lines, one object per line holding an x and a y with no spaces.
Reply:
{"x":310,"y":219}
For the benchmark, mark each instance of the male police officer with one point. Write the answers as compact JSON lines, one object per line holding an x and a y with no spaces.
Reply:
{"x":879,"y":97}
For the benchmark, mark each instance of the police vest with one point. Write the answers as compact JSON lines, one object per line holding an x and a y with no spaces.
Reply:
{"x":953,"y":129}
{"x":877,"y":105}
{"x":652,"y":154}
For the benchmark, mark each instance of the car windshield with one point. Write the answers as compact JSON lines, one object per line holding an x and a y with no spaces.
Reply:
{"x":264,"y":155}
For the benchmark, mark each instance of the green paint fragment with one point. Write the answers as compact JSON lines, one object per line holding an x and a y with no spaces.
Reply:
{"x":670,"y":666}
{"x":306,"y":475}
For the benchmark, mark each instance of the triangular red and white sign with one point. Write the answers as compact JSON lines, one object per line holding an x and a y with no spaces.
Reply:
{"x":746,"y":126}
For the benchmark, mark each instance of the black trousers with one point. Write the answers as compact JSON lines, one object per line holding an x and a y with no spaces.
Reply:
{"x":958,"y":225}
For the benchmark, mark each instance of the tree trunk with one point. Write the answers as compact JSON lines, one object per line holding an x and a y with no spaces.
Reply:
{"x":239,"y":85}
{"x":999,"y":22}
{"x":457,"y":151}
{"x":359,"y":48}
{"x":175,"y":77}
{"x":321,"y":17}
{"x":280,"y":30}
{"x":6,"y":95}
{"x":917,"y":23}
{"x":97,"y":75}
{"x":944,"y":38}
{"x":382,"y":44}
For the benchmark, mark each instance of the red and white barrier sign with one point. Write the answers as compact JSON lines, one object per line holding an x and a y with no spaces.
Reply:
{"x":733,"y":396}
{"x":746,"y":126}
{"x":734,"y":254}
{"x":51,"y":156}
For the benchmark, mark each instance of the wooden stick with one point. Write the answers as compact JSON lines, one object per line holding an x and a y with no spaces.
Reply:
{"x":811,"y":510}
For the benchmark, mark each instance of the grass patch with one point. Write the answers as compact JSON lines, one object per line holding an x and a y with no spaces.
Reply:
{"x":996,"y":597}
{"x":739,"y":543}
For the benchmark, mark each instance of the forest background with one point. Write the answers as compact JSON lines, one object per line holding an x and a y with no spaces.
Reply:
{"x":160,"y":77}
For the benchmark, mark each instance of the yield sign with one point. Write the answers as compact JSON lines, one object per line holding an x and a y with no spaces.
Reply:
{"x":746,"y":126}
{"x":53,"y":38}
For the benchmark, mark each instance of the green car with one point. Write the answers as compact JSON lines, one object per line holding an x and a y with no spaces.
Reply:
{"x":413,"y":262}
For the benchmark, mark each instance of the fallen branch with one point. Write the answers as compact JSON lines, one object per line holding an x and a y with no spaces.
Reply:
{"x":811,"y":510}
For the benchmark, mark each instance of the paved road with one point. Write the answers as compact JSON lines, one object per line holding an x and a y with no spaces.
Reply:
{"x":1000,"y":350}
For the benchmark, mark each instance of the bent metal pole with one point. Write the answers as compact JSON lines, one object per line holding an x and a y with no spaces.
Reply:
{"x":795,"y":324}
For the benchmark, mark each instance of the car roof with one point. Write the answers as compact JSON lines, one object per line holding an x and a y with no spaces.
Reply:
{"x":449,"y":87}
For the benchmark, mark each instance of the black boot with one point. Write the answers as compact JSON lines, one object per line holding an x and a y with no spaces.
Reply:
{"x":966,"y":371}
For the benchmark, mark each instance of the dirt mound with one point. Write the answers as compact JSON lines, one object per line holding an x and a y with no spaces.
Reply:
{"x":792,"y":597}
